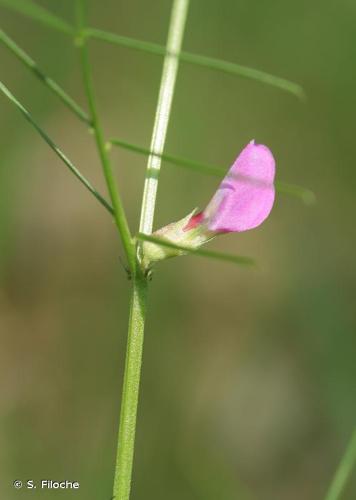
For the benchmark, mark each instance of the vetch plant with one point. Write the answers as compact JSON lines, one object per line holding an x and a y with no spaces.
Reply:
{"x":242,"y":201}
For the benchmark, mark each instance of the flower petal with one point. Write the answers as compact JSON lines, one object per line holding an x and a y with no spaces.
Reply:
{"x":245,"y":197}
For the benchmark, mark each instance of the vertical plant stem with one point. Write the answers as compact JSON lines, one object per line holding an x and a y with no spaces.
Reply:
{"x":343,"y":471}
{"x":130,"y":393}
{"x":163,"y":110}
{"x":130,"y":390}
{"x":119,"y":212}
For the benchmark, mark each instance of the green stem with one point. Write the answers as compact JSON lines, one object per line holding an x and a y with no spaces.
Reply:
{"x":343,"y":471}
{"x":130,"y":391}
{"x":119,"y":212}
{"x":129,"y":402}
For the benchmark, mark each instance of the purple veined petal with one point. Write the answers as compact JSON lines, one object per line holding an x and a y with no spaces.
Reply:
{"x":245,"y":197}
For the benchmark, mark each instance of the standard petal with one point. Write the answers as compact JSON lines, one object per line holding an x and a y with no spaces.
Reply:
{"x":245,"y":197}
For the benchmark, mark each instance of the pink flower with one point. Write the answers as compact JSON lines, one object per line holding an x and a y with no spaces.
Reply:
{"x":243,"y":201}
{"x":245,"y":197}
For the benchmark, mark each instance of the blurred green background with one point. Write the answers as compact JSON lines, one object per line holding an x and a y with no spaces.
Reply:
{"x":248,"y":388}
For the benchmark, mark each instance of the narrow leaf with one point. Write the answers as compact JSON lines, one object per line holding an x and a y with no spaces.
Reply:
{"x":343,"y":471}
{"x":124,"y":41}
{"x":245,"y":72}
{"x":173,"y":160}
{"x":38,"y":13}
{"x":236,"y":259}
{"x":199,"y":60}
{"x":306,"y":195}
{"x":51,"y":84}
{"x":55,"y":148}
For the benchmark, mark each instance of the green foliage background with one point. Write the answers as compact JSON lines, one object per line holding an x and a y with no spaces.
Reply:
{"x":248,"y":387}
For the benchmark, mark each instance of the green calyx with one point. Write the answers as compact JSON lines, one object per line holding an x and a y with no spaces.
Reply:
{"x":176,"y":241}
